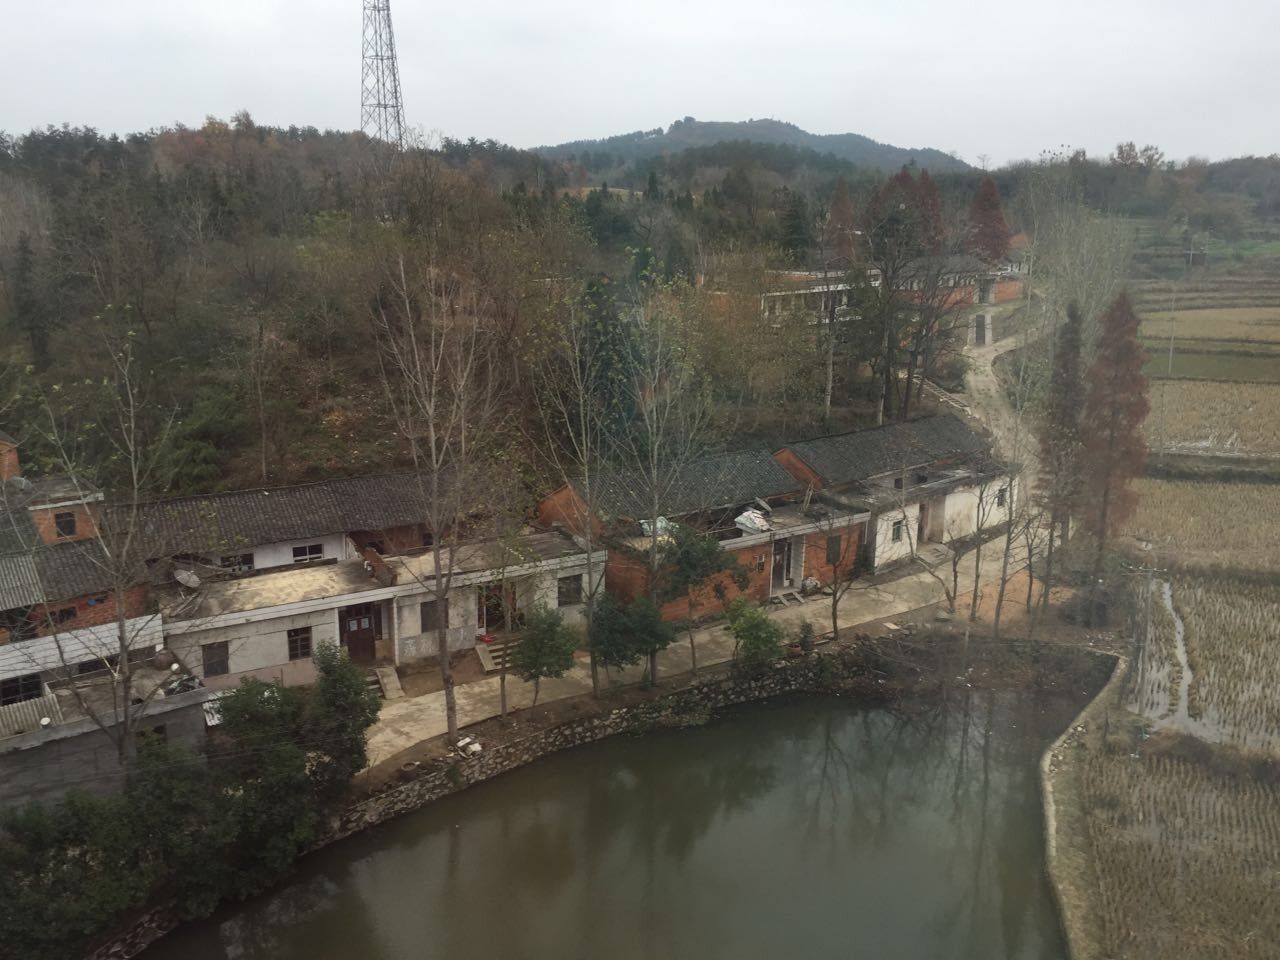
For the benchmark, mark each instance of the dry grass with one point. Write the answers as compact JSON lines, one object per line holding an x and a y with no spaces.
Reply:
{"x":1229,"y":323}
{"x":1186,"y":861}
{"x":1224,"y":524}
{"x":1215,"y":417}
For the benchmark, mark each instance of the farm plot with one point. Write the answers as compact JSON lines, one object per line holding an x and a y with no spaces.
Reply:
{"x":1206,"y":523}
{"x":1234,"y":365}
{"x":1186,"y":860}
{"x":1238,"y":324}
{"x":1215,"y":417}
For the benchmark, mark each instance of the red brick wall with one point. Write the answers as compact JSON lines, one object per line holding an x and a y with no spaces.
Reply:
{"x":815,"y":552}
{"x":1007,"y":289}
{"x":798,"y":468}
{"x":47,"y":528}
{"x":87,"y":615}
{"x":9,"y":465}
{"x":564,"y":506}
{"x":627,"y":577}
{"x":394,"y":539}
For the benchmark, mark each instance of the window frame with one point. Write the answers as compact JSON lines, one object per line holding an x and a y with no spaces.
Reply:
{"x":298,"y":643}
{"x":206,"y":660}
{"x":896,"y":531}
{"x":18,"y":689}
{"x":574,"y":581}
{"x":1002,"y":497}
{"x":836,"y":540}
{"x":435,"y":608}
{"x":237,"y":562}
{"x":64,"y":524}
{"x":312,"y":553}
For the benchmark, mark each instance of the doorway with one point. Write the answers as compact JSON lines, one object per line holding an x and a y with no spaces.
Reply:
{"x":359,"y":629}
{"x":781,"y":578}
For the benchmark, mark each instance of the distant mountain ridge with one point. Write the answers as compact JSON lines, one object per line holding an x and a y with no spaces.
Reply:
{"x":689,"y":132}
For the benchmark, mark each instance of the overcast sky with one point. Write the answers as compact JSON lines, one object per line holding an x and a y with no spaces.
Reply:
{"x":1003,"y":79}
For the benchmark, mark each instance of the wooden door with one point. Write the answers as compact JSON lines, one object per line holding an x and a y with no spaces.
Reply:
{"x":359,"y":628}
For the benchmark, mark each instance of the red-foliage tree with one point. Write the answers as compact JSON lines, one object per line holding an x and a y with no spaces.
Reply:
{"x":1114,"y":447}
{"x":930,"y":205}
{"x":839,"y":231}
{"x":989,"y":234}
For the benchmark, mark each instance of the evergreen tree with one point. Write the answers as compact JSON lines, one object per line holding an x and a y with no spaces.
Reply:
{"x":1114,"y":448}
{"x":28,"y":314}
{"x":690,"y":560}
{"x":797,"y":230}
{"x":989,"y":234}
{"x":545,"y":650}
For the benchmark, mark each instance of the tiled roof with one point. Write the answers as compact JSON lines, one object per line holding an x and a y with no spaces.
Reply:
{"x":710,"y":483}
{"x":862,"y":454}
{"x":19,"y":582}
{"x":245,"y":518}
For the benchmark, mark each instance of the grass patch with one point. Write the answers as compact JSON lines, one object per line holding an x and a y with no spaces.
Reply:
{"x":1237,"y":366}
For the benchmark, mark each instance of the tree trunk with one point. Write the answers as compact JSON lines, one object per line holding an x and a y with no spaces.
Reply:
{"x":537,"y":684}
{"x":1048,"y":566}
{"x":977,"y":571}
{"x":693,"y":650}
{"x":126,"y":744}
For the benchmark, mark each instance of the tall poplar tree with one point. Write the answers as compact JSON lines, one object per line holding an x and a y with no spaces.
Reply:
{"x":1060,"y":436}
{"x":1114,"y":447}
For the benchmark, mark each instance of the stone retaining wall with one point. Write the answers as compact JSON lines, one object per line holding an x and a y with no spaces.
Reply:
{"x":1064,"y":821}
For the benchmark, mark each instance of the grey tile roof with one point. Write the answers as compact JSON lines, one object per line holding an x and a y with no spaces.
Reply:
{"x":19,"y":582}
{"x":245,"y":518}
{"x":710,"y":483}
{"x":862,"y":454}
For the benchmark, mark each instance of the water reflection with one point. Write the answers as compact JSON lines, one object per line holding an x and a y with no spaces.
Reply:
{"x":809,"y":829}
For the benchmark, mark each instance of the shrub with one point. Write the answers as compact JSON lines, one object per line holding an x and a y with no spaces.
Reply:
{"x":545,"y":649}
{"x":757,"y":638}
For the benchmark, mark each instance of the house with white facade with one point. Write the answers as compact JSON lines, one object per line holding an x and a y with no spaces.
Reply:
{"x":929,"y":480}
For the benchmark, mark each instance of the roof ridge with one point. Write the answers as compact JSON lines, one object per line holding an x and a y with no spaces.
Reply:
{"x":306,"y":484}
{"x":878,"y":427}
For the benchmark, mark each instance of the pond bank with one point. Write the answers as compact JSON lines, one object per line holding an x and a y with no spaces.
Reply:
{"x":884,"y":670}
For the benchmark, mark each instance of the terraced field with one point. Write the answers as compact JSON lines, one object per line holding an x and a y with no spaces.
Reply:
{"x":1210,"y":524}
{"x":1215,"y":417}
{"x":1230,"y":324}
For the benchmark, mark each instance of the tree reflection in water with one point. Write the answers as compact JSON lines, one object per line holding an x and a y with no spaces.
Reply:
{"x":806,"y":828}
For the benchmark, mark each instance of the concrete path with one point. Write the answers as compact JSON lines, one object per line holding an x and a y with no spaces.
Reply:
{"x":404,"y":723}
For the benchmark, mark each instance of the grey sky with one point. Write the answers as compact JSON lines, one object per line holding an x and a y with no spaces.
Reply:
{"x":1003,"y":79}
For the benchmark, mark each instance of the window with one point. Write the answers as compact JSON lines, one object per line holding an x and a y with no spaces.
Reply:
{"x":760,"y":562}
{"x":835,"y":547}
{"x":65,"y":524}
{"x":435,"y":613}
{"x":1002,"y":496}
{"x":64,"y":614}
{"x":17,"y":689}
{"x":299,"y":643}
{"x":897,"y":531}
{"x":897,"y":483}
{"x":240,"y":562}
{"x":308,"y":553}
{"x":922,"y":478}
{"x":216,"y":659}
{"x":569,"y":591}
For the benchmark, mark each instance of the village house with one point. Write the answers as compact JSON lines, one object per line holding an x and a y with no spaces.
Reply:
{"x":381,"y":610}
{"x":746,"y":500}
{"x":925,"y":481}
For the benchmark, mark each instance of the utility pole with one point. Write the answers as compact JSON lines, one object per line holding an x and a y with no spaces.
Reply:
{"x":381,"y":110}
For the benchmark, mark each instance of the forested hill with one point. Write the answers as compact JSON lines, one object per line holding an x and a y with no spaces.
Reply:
{"x":683,"y":134}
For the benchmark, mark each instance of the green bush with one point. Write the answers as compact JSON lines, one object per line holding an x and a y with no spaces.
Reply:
{"x":545,"y":649}
{"x":757,"y":638}
{"x":197,"y":827}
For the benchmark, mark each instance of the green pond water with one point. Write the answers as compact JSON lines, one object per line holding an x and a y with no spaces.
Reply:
{"x":804,"y":828}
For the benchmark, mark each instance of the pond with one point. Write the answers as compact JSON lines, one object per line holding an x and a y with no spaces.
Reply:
{"x":802,"y":828}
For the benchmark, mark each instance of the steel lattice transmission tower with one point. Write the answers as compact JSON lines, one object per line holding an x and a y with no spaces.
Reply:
{"x":381,"y":112}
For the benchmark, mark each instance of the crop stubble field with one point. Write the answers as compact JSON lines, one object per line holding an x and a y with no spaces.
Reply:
{"x":1180,"y":789}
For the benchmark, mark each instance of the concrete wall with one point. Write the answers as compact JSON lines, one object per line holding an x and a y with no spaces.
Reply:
{"x":888,"y":550}
{"x":266,"y":555}
{"x":962,"y":513}
{"x":43,"y":764}
{"x":260,"y":648}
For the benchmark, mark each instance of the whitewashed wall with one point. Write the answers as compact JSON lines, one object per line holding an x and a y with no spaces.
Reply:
{"x":887,"y":551}
{"x":962,"y":509}
{"x":267,"y":555}
{"x":257,"y":648}
{"x":412,"y":644}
